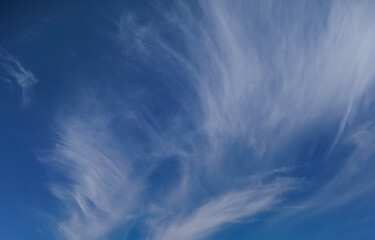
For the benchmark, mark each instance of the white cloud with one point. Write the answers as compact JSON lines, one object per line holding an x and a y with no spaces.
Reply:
{"x":255,"y":76}
{"x":17,"y":74}
{"x":355,"y":176}
{"x":99,"y":192}
{"x":263,"y":87}
{"x":228,"y":208}
{"x":264,"y":76}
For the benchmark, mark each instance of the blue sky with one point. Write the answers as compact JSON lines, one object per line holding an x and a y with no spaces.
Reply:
{"x":187,"y":120}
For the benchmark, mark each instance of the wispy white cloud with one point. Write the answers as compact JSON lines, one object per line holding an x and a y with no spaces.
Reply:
{"x":16,"y":73}
{"x":228,"y":208}
{"x":256,"y":76}
{"x":99,"y":192}
{"x":354,"y":177}
{"x":250,"y":84}
{"x":264,"y":78}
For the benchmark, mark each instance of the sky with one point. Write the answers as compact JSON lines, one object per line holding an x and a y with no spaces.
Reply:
{"x":189,"y":120}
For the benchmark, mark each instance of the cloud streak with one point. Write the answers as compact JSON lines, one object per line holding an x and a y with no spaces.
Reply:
{"x":229,"y":208}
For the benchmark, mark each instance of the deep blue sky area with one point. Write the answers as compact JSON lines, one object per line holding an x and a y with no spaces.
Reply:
{"x":187,"y":120}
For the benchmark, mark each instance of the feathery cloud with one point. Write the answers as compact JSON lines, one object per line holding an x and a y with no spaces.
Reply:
{"x":254,"y":78}
{"x":18,"y":74}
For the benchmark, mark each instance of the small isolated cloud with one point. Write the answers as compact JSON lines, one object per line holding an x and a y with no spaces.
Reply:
{"x":16,"y":73}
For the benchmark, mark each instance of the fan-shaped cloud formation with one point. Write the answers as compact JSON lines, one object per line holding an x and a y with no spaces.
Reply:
{"x":250,"y":88}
